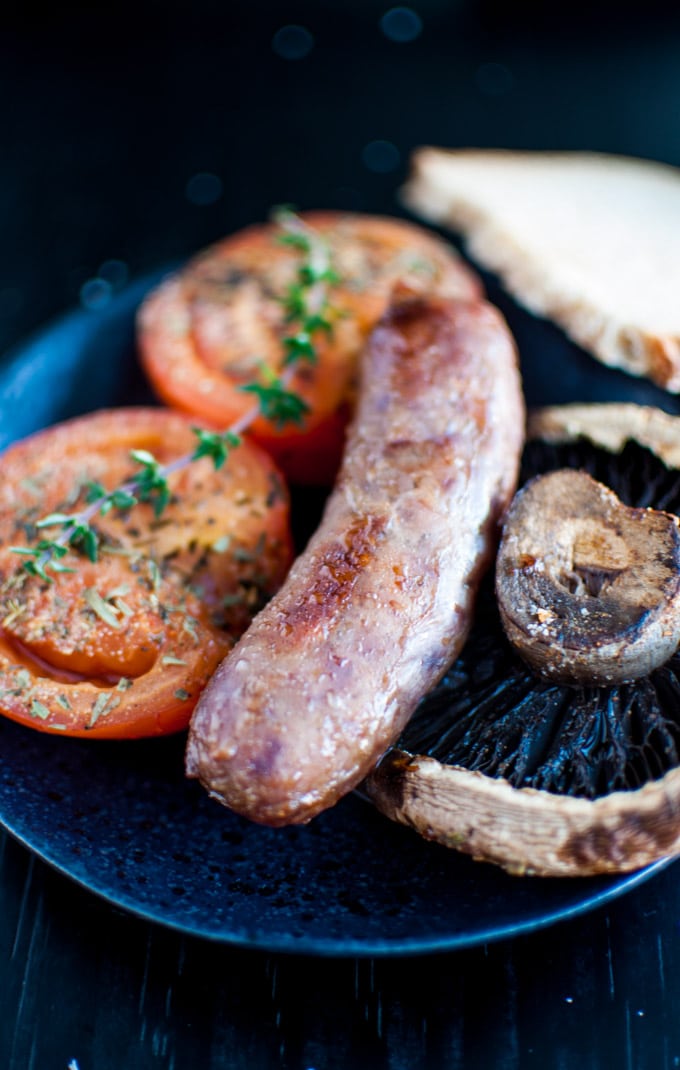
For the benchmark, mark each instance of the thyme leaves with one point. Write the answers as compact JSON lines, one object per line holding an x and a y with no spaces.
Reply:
{"x":308,"y":314}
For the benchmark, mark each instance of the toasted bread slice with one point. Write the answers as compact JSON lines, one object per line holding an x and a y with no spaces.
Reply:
{"x":590,"y":241}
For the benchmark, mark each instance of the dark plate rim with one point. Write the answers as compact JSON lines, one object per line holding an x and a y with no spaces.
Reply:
{"x":349,"y":948}
{"x":83,"y":321}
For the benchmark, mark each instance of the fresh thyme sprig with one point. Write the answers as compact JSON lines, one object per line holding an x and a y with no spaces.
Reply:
{"x":274,"y":400}
{"x":305,"y":302}
{"x":148,"y":484}
{"x":307,"y":312}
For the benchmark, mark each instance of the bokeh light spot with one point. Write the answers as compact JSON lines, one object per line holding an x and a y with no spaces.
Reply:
{"x":115,"y":272}
{"x":204,"y":189}
{"x":382,"y":157}
{"x":292,"y":42}
{"x":95,"y":293}
{"x":401,"y":24}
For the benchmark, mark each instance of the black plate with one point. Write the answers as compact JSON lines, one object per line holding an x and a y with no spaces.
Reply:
{"x":120,"y":818}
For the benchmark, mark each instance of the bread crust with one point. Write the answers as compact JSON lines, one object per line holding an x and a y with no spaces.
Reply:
{"x":613,"y":222}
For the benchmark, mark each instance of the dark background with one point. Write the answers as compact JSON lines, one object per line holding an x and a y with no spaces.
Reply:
{"x":131,"y":136}
{"x":107,"y":114}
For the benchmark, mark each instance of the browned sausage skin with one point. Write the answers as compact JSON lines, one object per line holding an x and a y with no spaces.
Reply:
{"x":380,"y":602}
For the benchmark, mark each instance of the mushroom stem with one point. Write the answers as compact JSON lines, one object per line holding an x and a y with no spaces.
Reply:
{"x":588,"y":588}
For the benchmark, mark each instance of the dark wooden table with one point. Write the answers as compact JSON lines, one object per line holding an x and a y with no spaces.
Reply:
{"x":82,"y":981}
{"x":136,"y":138}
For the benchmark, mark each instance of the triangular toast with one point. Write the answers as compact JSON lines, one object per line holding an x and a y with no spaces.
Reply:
{"x":588,"y":240}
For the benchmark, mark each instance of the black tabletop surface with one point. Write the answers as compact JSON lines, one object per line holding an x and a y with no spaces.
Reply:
{"x":132,"y":137}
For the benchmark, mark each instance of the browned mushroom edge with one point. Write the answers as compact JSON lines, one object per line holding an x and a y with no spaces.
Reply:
{"x":588,"y":588}
{"x":535,"y":831}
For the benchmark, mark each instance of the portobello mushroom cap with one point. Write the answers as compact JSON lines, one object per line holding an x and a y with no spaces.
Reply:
{"x":538,"y":775}
{"x":588,"y":588}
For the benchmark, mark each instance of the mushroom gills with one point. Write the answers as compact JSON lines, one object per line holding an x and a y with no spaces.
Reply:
{"x":492,"y":714}
{"x":539,"y":776}
{"x":588,"y":588}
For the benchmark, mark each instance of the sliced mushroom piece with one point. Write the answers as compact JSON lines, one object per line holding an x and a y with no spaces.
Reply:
{"x":588,"y":588}
{"x":610,"y":426}
{"x":519,"y":829}
{"x":538,"y":776}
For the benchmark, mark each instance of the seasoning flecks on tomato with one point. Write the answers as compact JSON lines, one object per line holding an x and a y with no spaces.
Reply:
{"x":122,"y":646}
{"x":208,"y":331}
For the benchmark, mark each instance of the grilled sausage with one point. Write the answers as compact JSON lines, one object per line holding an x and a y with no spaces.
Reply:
{"x":206,"y":331}
{"x":380,"y":602}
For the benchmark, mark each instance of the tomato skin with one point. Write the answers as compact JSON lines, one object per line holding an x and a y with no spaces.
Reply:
{"x":203,"y":331}
{"x":122,"y":647}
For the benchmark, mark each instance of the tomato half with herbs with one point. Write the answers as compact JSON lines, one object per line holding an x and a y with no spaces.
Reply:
{"x":207,"y":331}
{"x":122,"y":646}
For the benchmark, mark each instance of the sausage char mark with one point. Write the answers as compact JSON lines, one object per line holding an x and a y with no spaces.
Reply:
{"x":380,"y":602}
